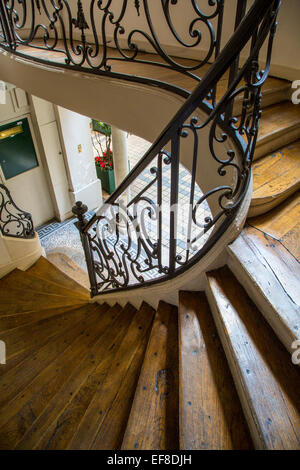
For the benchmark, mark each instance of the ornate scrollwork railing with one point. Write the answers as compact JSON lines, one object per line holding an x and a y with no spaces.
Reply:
{"x":97,"y":35}
{"x":14,"y":222}
{"x":134,"y":238}
{"x":150,"y":229}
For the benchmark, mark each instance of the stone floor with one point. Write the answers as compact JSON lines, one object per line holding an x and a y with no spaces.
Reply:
{"x":64,"y":238}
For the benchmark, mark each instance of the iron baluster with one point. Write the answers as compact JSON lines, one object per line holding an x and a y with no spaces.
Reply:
{"x":14,"y":222}
{"x":175,"y":154}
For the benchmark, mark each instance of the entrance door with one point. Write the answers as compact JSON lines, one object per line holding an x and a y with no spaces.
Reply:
{"x":22,"y":171}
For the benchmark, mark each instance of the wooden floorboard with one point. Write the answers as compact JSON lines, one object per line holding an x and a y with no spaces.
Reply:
{"x":211,"y":415}
{"x":153,"y":421}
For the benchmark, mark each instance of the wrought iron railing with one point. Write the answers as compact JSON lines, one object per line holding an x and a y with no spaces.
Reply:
{"x":14,"y":222}
{"x":95,"y":35}
{"x":142,"y":235}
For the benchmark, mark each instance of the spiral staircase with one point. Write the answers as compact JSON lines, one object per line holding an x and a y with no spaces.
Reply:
{"x":210,"y":370}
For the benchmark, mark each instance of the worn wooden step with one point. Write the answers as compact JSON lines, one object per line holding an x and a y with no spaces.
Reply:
{"x":210,"y":413}
{"x":20,"y":301}
{"x":282,"y":223}
{"x":58,"y":422}
{"x":44,"y":269}
{"x":112,"y":430}
{"x":153,"y":420}
{"x":279,"y":126}
{"x":271,"y":276}
{"x":275,"y":178}
{"x":265,"y":377}
{"x":103,"y":400}
{"x":29,"y":283}
{"x":18,"y":414}
{"x":14,"y":377}
{"x":70,"y":268}
{"x":8,"y":322}
{"x":75,"y":410}
{"x":33,"y":335}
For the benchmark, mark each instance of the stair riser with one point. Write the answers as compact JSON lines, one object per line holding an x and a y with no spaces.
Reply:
{"x":260,"y":209}
{"x":275,"y":141}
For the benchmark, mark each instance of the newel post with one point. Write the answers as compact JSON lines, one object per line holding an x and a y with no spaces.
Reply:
{"x":80,"y":210}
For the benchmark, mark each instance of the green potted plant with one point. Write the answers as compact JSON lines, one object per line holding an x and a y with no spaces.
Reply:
{"x":104,"y":159}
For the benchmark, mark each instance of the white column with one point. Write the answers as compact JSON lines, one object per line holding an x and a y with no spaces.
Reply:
{"x":121,"y":167}
{"x":120,"y":154}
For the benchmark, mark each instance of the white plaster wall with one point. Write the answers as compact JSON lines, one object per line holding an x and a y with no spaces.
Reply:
{"x":76,"y":137}
{"x":18,"y":253}
{"x":46,"y":121}
{"x":30,"y":189}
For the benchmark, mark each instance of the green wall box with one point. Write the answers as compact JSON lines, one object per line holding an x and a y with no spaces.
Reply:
{"x":17,"y":152}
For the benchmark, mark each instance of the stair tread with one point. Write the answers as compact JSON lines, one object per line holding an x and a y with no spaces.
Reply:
{"x":18,"y":414}
{"x":278,"y":118}
{"x":87,"y":378}
{"x":112,"y":430}
{"x":22,"y":302}
{"x":69,"y":268}
{"x":279,"y":126}
{"x":104,"y":397}
{"x":44,"y":269}
{"x":31,"y":283}
{"x":282,"y":223}
{"x":153,"y":422}
{"x":34,"y":334}
{"x":9,"y":322}
{"x":15,"y":376}
{"x":275,"y":177}
{"x":266,"y":379}
{"x":59,"y":420}
{"x":211,"y":416}
{"x":274,"y":280}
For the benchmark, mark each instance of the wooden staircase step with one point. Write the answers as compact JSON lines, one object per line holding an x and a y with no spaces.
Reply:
{"x":9,"y":322}
{"x":58,"y":422}
{"x":18,"y":414}
{"x":279,"y":126}
{"x":29,"y":283}
{"x":153,"y":420}
{"x":210,"y":413}
{"x":275,"y":178}
{"x":70,"y":268}
{"x":271,"y":276}
{"x":20,"y":301}
{"x":14,"y":377}
{"x":70,"y":418}
{"x":103,"y":400}
{"x":44,"y":269}
{"x":282,"y":223}
{"x":33,"y":335}
{"x":111,"y":433}
{"x":266,"y":380}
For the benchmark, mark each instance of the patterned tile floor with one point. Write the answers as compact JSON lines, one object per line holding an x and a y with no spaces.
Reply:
{"x":64,"y":237}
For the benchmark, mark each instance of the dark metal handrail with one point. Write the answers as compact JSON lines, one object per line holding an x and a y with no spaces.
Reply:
{"x":121,"y":250}
{"x":14,"y":222}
